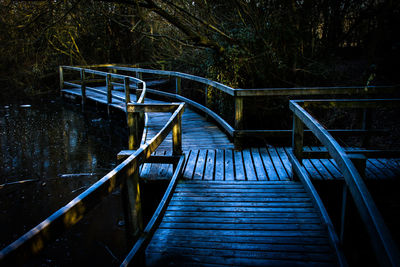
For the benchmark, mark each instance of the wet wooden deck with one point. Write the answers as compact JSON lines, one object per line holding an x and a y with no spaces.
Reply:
{"x":260,"y":164}
{"x":236,"y":207}
{"x":240,"y":223}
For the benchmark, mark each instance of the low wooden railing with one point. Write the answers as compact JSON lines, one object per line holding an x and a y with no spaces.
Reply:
{"x":126,"y":175}
{"x":237,"y":130}
{"x":385,"y":249}
{"x":110,"y":79}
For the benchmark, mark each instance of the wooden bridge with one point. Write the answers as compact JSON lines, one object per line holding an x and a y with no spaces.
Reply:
{"x":252,"y":206}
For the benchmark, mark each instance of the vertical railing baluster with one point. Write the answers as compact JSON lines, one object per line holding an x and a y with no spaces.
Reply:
{"x":109,"y":93}
{"x":61,"y":72}
{"x":178,"y":85}
{"x":238,"y":119}
{"x":177,"y":137}
{"x":83,"y":87}
{"x":127,"y":93}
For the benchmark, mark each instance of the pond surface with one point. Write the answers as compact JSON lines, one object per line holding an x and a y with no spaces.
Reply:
{"x":51,"y":152}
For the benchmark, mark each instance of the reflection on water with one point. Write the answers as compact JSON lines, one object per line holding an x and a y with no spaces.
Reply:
{"x":49,"y":154}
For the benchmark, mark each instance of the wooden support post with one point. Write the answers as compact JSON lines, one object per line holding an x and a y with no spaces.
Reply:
{"x":127,"y":92}
{"x":83,"y":87}
{"x":206,"y":102}
{"x":131,"y":203}
{"x":178,"y":85}
{"x":298,"y":138}
{"x":177,"y":137}
{"x":238,"y":119}
{"x":61,"y":72}
{"x":366,"y":125}
{"x":109,"y":93}
{"x":133,"y":126}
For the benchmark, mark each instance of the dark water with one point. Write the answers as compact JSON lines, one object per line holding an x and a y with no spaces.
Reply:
{"x":49,"y":153}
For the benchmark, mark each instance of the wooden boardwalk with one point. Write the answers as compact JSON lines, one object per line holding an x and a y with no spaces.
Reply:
{"x":224,"y":206}
{"x":237,"y":207}
{"x":210,"y":154}
{"x":197,"y":132}
{"x":240,"y":223}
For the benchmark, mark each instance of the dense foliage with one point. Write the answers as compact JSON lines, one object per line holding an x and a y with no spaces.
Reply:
{"x":242,"y":43}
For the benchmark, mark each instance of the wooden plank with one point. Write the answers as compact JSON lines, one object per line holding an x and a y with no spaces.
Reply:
{"x":245,"y":226}
{"x":241,"y":209}
{"x":242,"y":200}
{"x":244,"y":239}
{"x":157,"y":259}
{"x":312,"y":172}
{"x":193,"y":243}
{"x":244,"y":233}
{"x":210,"y":165}
{"x":239,"y":190}
{"x":243,"y":195}
{"x":392,"y":164}
{"x":329,"y":165}
{"x":241,"y":186}
{"x":200,"y":165}
{"x":285,"y":161}
{"x":246,"y":254}
{"x":240,"y":173}
{"x":229,"y":167}
{"x":258,"y":164}
{"x":388,"y":173}
{"x":280,"y":169}
{"x":219,"y":165}
{"x":240,"y":204}
{"x":268,"y":165}
{"x":190,"y":164}
{"x":238,"y":214}
{"x":249,"y":165}
{"x":243,"y":220}
{"x":322,"y":171}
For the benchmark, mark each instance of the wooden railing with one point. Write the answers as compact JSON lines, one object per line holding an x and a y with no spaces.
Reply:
{"x":237,"y":130}
{"x":126,"y":175}
{"x":110,"y":79}
{"x":385,"y":249}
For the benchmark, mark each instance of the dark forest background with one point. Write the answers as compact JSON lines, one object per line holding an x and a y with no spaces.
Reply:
{"x":241,"y":43}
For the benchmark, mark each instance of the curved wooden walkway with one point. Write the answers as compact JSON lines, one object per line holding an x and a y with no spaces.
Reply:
{"x":229,"y":207}
{"x":197,"y":132}
{"x":210,"y":155}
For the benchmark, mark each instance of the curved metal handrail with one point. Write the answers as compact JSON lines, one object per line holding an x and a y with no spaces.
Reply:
{"x":382,"y":242}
